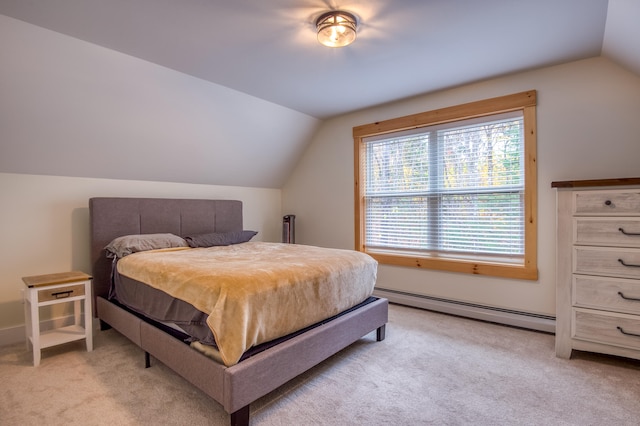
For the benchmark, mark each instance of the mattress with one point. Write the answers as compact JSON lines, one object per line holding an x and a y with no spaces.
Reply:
{"x":185,"y":322}
{"x":248,"y":294}
{"x":189,"y":322}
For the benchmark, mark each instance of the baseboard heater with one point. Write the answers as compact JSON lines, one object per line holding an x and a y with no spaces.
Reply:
{"x":485,"y":313}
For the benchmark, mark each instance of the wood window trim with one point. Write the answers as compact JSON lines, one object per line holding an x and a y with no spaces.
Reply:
{"x":524,"y":101}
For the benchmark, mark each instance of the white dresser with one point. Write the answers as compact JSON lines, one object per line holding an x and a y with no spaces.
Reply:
{"x":598,"y":267}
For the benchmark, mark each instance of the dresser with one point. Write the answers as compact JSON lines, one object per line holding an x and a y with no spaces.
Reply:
{"x":598,"y":267}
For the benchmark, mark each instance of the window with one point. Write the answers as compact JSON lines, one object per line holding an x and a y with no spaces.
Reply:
{"x":452,"y":189}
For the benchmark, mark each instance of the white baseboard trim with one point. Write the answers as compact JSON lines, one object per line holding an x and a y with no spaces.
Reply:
{"x":11,"y":335}
{"x":469,"y":310}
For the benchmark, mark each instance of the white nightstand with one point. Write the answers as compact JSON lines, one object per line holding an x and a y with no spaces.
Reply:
{"x":65,"y":287}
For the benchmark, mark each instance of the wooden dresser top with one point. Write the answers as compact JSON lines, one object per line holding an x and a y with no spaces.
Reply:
{"x":596,"y":182}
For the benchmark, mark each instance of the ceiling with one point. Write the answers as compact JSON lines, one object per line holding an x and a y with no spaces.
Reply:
{"x":268,"y":49}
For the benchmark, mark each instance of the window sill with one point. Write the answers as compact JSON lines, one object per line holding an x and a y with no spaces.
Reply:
{"x":503,"y":270}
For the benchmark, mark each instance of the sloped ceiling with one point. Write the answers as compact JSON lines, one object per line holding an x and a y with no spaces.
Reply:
{"x":622,"y":34}
{"x":266,"y":52}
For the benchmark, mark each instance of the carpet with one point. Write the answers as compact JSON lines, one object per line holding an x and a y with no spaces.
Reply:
{"x":432,"y":369}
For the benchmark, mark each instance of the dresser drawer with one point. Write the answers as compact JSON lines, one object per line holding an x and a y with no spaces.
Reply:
{"x":607,"y":203}
{"x":608,"y":328}
{"x":60,"y":293}
{"x":619,"y":232}
{"x":607,"y":261}
{"x":610,"y":294}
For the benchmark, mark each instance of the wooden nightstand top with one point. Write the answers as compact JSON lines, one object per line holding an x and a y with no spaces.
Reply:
{"x":58,"y":278}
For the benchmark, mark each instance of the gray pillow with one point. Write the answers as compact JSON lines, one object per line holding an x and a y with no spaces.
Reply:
{"x":219,"y":238}
{"x":123,"y":246}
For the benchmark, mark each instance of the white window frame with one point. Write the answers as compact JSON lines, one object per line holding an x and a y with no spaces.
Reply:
{"x":521,"y":267}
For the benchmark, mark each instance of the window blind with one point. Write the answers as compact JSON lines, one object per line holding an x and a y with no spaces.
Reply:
{"x":455,"y":188}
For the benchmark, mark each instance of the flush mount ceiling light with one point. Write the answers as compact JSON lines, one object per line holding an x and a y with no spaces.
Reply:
{"x":336,"y":28}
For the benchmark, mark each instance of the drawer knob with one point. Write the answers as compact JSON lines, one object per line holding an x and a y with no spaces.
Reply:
{"x":627,"y":297}
{"x":627,"y":333}
{"x":608,"y":203}
{"x":628,"y":233}
{"x":630,"y":265}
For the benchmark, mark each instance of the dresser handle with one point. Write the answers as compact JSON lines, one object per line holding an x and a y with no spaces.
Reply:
{"x":628,"y":298}
{"x":627,"y":333}
{"x":607,"y":203}
{"x":630,"y":265}
{"x":628,"y":233}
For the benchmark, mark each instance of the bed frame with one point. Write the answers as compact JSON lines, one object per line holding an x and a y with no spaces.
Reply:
{"x":233,"y":387}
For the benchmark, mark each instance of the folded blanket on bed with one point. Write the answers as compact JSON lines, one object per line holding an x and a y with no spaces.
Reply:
{"x":255,"y":292}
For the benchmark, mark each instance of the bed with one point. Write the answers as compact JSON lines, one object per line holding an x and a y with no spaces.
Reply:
{"x":237,"y":385}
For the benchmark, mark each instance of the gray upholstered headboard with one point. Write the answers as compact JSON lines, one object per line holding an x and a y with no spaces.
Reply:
{"x":115,"y":217}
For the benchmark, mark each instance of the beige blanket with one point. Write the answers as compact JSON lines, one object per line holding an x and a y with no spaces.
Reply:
{"x":256,"y":292}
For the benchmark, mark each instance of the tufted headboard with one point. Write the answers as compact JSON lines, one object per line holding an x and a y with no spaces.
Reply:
{"x":115,"y":217}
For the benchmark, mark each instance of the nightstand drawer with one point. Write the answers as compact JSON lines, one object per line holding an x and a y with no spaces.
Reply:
{"x":607,"y":203}
{"x":57,"y":293}
{"x":618,"y":232}
{"x":611,"y":294}
{"x":611,"y":329}
{"x":608,"y":262}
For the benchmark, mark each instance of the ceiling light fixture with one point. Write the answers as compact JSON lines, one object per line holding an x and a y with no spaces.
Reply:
{"x":336,"y":28}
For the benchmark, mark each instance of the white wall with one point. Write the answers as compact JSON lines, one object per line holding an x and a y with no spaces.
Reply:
{"x":44,"y":223}
{"x":588,"y":120}
{"x":72,"y":108}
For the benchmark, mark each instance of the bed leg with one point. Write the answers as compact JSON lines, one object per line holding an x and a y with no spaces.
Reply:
{"x":240,"y":417}
{"x":147,"y":359}
{"x":380,"y":332}
{"x":104,"y":326}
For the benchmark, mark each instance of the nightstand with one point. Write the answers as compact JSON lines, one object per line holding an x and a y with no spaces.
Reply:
{"x":51,"y":289}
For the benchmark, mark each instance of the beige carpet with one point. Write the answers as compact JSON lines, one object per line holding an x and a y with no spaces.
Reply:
{"x":432,"y":369}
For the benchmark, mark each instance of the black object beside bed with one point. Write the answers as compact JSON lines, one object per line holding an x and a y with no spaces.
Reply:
{"x":233,"y":387}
